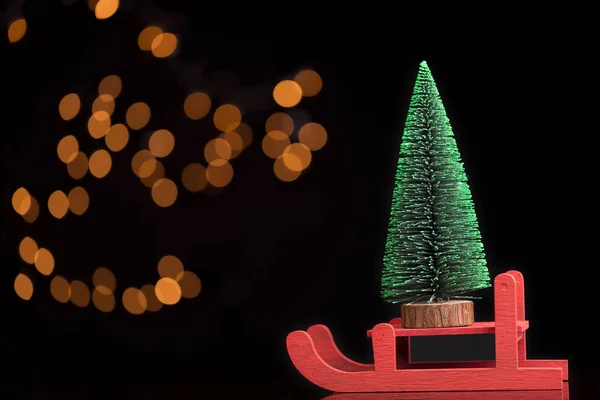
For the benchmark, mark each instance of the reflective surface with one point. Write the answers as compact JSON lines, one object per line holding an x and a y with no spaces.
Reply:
{"x":271,"y":392}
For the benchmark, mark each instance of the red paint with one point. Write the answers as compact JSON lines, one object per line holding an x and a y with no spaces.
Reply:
{"x":487,"y":395}
{"x":316,"y":356}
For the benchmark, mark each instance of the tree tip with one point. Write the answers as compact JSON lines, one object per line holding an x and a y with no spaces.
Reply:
{"x":423,"y":63}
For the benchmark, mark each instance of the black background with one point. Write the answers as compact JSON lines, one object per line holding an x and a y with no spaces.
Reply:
{"x":520,"y":91}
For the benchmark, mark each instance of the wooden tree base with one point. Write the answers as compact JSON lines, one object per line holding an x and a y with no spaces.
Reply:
{"x":438,"y":315}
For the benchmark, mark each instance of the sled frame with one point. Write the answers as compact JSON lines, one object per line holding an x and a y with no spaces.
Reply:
{"x":316,"y":356}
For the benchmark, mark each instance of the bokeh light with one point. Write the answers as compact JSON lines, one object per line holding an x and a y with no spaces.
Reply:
{"x":110,"y":85}
{"x":104,"y":278}
{"x":67,"y":148}
{"x":23,"y":287}
{"x":297,"y":157}
{"x":158,"y":173}
{"x":219,"y":173}
{"x":313,"y":136}
{"x":280,"y":121}
{"x":227,"y":117}
{"x":104,"y":102}
{"x":164,"y":45}
{"x":78,"y":200}
{"x":103,"y":300}
{"x":217,"y":149}
{"x":164,"y":192}
{"x":168,"y":291}
{"x":69,"y":106}
{"x":99,"y":124}
{"x":44,"y":261}
{"x":58,"y":204}
{"x":190,"y":285}
{"x":60,"y":289}
{"x":287,"y":93}
{"x":196,"y":105}
{"x":310,"y":82}
{"x":106,"y":8}
{"x":117,"y":137}
{"x":161,"y":143}
{"x":148,"y":167}
{"x":193,"y":177}
{"x":245,"y":133}
{"x":134,"y":301}
{"x":17,"y":29}
{"x":79,"y":166}
{"x":28,"y":249}
{"x":143,"y":163}
{"x":274,"y":143}
{"x":80,"y":294}
{"x":153,"y":304}
{"x":235,"y":141}
{"x":170,"y":267}
{"x":138,"y":115}
{"x":282,"y":172}
{"x":146,"y":37}
{"x":100,"y":163}
{"x":21,"y":201}
{"x":34,"y":211}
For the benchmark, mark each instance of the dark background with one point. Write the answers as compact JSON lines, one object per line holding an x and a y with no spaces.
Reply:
{"x":273,"y":257}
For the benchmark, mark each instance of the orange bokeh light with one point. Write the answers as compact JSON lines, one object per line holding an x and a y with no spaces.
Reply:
{"x":274,"y":143}
{"x":313,"y":136}
{"x":168,"y":291}
{"x":164,"y":192}
{"x":310,"y":82}
{"x":79,"y":200}
{"x":219,"y":173}
{"x":67,"y":149}
{"x":287,"y":93}
{"x":227,"y":117}
{"x":58,"y":204}
{"x":161,"y":143}
{"x":16,"y":30}
{"x":21,"y":201}
{"x":100,"y":163}
{"x":23,"y":287}
{"x":196,"y":105}
{"x":193,"y":177}
{"x":99,"y":124}
{"x":280,"y":122}
{"x":69,"y":106}
{"x":117,"y":137}
{"x":44,"y":261}
{"x":282,"y":172}
{"x":146,"y":37}
{"x":79,"y":166}
{"x":163,"y":45}
{"x":111,"y":85}
{"x":137,"y":115}
{"x":28,"y":249}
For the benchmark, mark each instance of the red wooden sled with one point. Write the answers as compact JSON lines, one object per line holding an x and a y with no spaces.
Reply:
{"x":316,"y":356}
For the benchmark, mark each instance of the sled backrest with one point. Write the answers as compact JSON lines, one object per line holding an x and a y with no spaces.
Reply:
{"x":506,"y":315}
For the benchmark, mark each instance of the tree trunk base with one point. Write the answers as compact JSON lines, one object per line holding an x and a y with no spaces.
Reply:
{"x":438,"y":315}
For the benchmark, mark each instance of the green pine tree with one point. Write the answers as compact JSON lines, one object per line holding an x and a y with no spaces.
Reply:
{"x":433,"y":249}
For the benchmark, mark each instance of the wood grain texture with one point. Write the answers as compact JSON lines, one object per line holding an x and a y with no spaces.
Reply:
{"x":315,"y":355}
{"x":438,"y":315}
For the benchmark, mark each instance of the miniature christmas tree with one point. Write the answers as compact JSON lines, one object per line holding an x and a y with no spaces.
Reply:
{"x":433,"y":251}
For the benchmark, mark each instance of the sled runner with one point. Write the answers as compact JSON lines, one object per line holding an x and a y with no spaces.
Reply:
{"x":487,"y":395}
{"x":317,"y":358}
